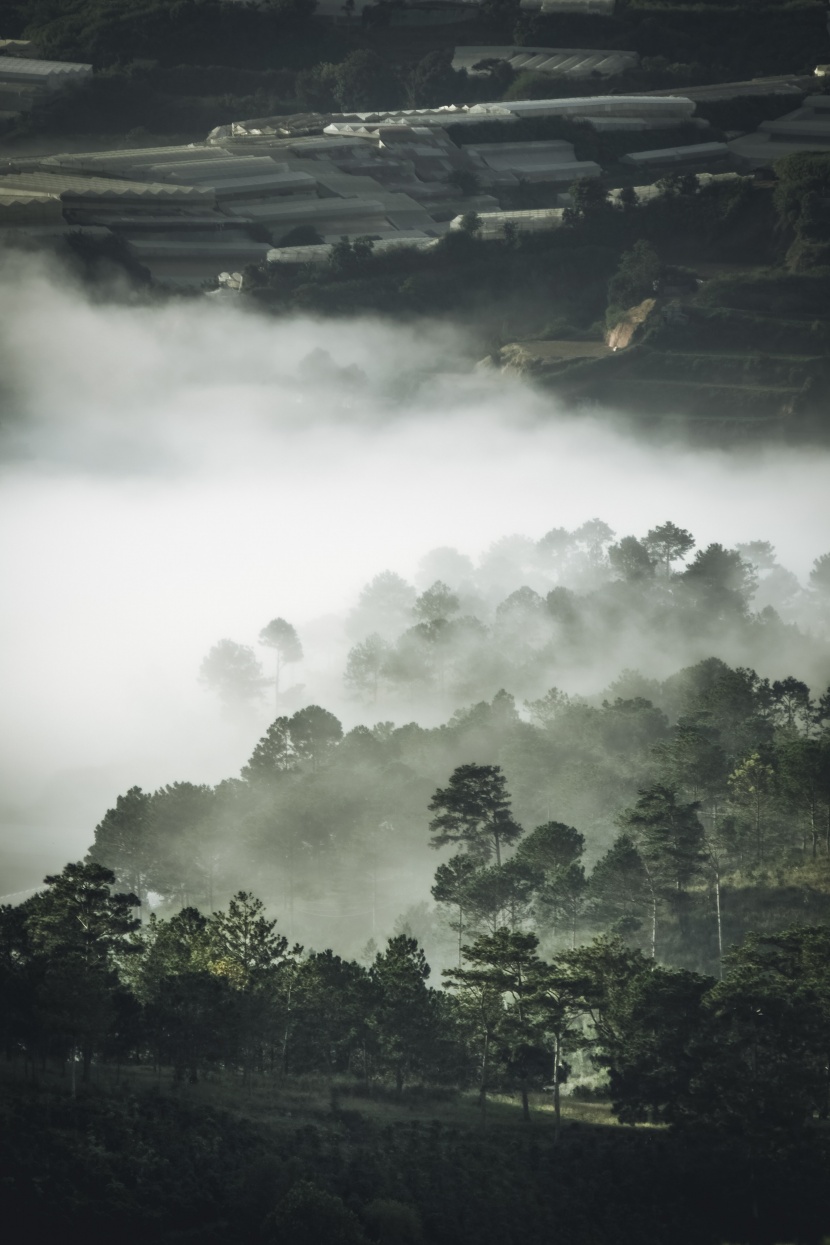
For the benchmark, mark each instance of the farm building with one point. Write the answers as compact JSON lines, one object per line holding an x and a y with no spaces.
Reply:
{"x":806,"y":129}
{"x":553,"y":62}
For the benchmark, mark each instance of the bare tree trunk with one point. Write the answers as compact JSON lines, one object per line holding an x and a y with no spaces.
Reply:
{"x":374,"y":894}
{"x":482,"y":1088}
{"x":557,"y":1097}
{"x":720,"y":922}
{"x":286,"y":1034}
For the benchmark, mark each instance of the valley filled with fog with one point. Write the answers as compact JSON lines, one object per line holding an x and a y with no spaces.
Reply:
{"x":177,"y":474}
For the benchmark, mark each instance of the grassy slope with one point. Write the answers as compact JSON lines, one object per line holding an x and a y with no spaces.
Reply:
{"x":138,"y":1166}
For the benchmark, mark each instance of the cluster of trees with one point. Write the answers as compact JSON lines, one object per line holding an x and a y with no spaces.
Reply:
{"x":81,"y":981}
{"x":541,"y":272}
{"x":235,"y":673}
{"x":82,"y":978}
{"x":746,"y":1054}
{"x":192,"y":32}
{"x":801,"y":200}
{"x":593,"y":598}
{"x":666,"y":813}
{"x":676,"y":41}
{"x":727,"y":803}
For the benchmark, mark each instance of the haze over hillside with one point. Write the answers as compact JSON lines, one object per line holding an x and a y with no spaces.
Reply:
{"x":180,"y":473}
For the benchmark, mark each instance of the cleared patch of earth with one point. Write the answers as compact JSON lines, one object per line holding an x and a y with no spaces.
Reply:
{"x":553,"y":351}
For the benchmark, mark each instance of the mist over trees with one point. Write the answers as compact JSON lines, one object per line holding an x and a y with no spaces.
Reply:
{"x":516,"y":848}
{"x":668,"y":820}
{"x":660,"y":809}
{"x":577,"y":605}
{"x":629,"y":886}
{"x":282,"y":638}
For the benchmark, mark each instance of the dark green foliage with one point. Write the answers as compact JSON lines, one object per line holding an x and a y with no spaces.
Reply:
{"x":800,"y":176}
{"x":636,"y":276}
{"x":764,"y":1069}
{"x":69,"y":948}
{"x":121,"y":841}
{"x":656,"y":1020}
{"x":668,"y":543}
{"x":630,"y":558}
{"x":434,"y":82}
{"x":619,"y":888}
{"x":365,"y":81}
{"x":721,"y":578}
{"x":474,"y":810}
{"x":148,"y":1165}
{"x":765,"y":294}
{"x":669,"y":832}
{"x":329,"y":1016}
{"x":552,"y":847}
{"x":406,"y":1014}
{"x":196,"y":32}
{"x":308,"y":1215}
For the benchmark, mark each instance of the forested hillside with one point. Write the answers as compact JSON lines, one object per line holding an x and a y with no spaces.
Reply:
{"x":320,"y":818}
{"x":398,"y":982}
{"x":490,"y":906}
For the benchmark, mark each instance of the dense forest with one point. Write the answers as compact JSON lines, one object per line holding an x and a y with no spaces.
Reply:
{"x":550,"y":964}
{"x":672,"y":818}
{"x":522,"y":924}
{"x":539,"y":949}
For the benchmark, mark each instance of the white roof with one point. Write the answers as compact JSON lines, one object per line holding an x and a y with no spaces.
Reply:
{"x":123,"y":160}
{"x":612,"y":105}
{"x":571,"y":6}
{"x":252,"y":186}
{"x":68,"y":186}
{"x":27,"y":196}
{"x":311,"y":211}
{"x":20,"y":66}
{"x":806,"y":129}
{"x":319,"y":254}
{"x":557,"y":62}
{"x":535,"y":219}
{"x":208,"y":166}
{"x":524,"y":155}
{"x":666,"y":155}
{"x":816,"y":129}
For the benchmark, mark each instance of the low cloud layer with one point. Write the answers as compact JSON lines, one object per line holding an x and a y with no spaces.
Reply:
{"x":178,"y":473}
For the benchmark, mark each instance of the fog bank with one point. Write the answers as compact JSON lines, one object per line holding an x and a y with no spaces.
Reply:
{"x":179,"y":473}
